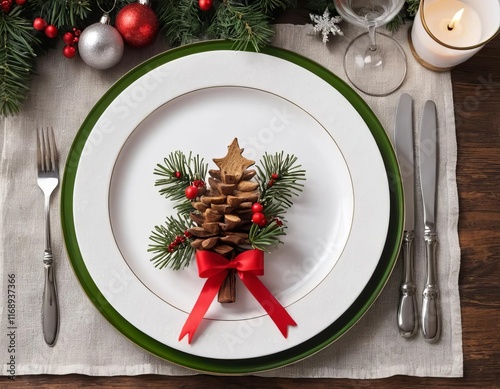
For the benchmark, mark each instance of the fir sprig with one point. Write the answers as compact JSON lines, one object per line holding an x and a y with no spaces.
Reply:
{"x":267,"y":236}
{"x":167,"y":252}
{"x":65,"y":13}
{"x":279,"y":179}
{"x":178,"y":172}
{"x":17,"y":60}
{"x":245,"y":25}
{"x":181,"y":21}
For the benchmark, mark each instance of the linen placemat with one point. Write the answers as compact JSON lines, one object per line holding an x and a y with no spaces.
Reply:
{"x":63,"y":94}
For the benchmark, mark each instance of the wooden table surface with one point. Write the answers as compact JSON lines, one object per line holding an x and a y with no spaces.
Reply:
{"x":476,"y":95}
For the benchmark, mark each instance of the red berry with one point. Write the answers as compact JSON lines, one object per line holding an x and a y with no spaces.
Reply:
{"x":39,"y":24}
{"x":191,"y":192}
{"x":259,"y":218}
{"x":69,"y":51}
{"x":198,"y":183}
{"x":68,"y":38}
{"x":6,"y":5}
{"x":262,"y":223}
{"x":51,"y":31}
{"x":178,"y":174}
{"x":187,"y":234}
{"x":205,"y":5}
{"x":275,"y":176}
{"x":20,"y":2}
{"x":257,"y":208}
{"x":271,"y":183}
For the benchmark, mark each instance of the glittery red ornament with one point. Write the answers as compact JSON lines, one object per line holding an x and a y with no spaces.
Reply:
{"x":138,"y":24}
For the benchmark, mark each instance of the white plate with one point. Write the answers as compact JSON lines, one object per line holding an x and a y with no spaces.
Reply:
{"x":337,"y":228}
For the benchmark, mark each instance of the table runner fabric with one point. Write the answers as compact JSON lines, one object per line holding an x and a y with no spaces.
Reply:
{"x":63,"y":94}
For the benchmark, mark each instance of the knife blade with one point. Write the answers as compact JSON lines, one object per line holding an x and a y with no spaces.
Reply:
{"x":431,"y":326}
{"x":403,"y":143}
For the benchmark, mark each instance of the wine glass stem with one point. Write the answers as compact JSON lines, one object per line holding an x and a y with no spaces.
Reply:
{"x":371,"y":34}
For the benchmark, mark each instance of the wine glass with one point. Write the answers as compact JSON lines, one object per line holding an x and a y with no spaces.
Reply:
{"x":374,"y":62}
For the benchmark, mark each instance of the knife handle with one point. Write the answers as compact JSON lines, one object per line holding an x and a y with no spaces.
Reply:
{"x":50,"y":309}
{"x":407,"y":309}
{"x":431,"y":326}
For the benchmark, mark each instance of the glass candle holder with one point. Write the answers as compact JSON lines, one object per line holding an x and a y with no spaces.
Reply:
{"x":446,"y":33}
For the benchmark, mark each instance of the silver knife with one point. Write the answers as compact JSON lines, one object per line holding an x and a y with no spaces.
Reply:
{"x":430,"y":325}
{"x":403,"y":142}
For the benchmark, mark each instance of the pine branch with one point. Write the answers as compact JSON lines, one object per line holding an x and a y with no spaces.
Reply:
{"x":396,"y":23}
{"x":412,"y":7}
{"x":279,"y":179}
{"x":178,"y":172}
{"x":17,"y":60}
{"x":180,"y":21}
{"x":245,"y":25}
{"x":269,"y":6}
{"x":65,"y":12}
{"x":268,"y":236}
{"x":172,"y":244}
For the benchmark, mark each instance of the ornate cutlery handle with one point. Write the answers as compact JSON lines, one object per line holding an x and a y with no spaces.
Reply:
{"x":431,"y":326}
{"x":407,"y":309}
{"x":50,"y":315}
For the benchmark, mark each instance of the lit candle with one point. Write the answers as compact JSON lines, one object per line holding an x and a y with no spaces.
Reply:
{"x":445,"y":33}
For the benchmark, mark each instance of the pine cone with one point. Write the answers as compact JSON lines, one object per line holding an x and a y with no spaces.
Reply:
{"x":223,"y":214}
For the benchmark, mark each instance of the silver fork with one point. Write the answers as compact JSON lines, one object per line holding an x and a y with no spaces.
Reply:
{"x":48,"y":179}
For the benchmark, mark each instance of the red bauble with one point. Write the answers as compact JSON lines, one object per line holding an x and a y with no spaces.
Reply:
{"x":205,"y":5}
{"x":191,"y":192}
{"x":138,"y":24}
{"x":69,"y":51}
{"x":51,"y":31}
{"x":257,"y":208}
{"x":39,"y":24}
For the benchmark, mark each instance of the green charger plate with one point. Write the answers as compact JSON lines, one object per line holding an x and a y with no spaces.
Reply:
{"x":250,"y":365}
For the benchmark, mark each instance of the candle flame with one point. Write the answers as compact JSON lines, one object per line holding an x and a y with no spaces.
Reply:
{"x":455,"y":19}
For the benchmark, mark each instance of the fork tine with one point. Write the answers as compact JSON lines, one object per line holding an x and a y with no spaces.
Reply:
{"x":39,"y":158}
{"x":53,"y":149}
{"x":47,"y":157}
{"x":45,"y":151}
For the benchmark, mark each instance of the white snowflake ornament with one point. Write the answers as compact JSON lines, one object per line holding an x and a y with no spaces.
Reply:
{"x":326,"y":24}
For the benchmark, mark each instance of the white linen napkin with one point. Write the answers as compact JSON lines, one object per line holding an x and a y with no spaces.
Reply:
{"x":62,"y":95}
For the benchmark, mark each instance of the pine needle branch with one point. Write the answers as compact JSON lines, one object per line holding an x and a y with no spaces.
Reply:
{"x":268,"y":236}
{"x":177,"y":173}
{"x":279,"y":179}
{"x":245,"y":25}
{"x":17,"y":60}
{"x":180,"y":21}
{"x":172,"y":244}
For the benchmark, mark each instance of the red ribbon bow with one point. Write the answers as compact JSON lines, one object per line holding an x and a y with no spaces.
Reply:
{"x":249,"y":265}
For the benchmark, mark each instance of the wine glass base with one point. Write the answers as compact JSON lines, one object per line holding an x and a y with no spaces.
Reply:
{"x":379,"y":72}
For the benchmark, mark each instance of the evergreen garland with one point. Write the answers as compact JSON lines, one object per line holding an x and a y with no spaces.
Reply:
{"x":245,"y":22}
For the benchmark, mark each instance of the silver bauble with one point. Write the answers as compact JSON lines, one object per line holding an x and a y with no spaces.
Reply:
{"x":101,"y":45}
